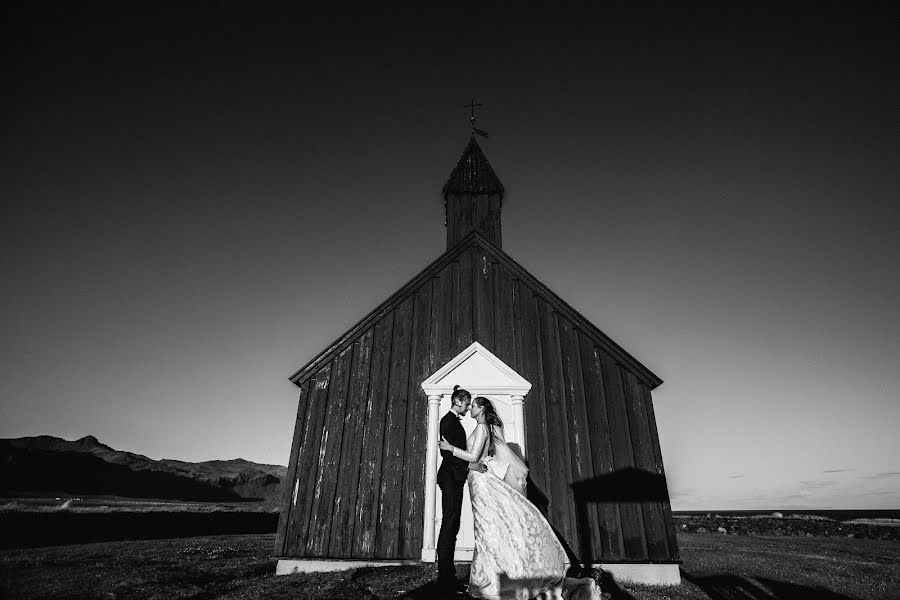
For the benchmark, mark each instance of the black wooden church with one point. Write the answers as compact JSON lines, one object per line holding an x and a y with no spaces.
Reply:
{"x":356,"y":482}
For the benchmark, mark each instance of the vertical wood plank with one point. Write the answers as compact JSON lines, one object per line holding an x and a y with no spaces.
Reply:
{"x":573,"y":394}
{"x":504,"y":317}
{"x":479,"y":212}
{"x":496,"y":205}
{"x":345,"y":495}
{"x":449,"y":220}
{"x":287,"y":486}
{"x":495,"y":310}
{"x":516,"y":296}
{"x":668,"y":521}
{"x":457,"y":217}
{"x":484,"y":301}
{"x":611,"y":544}
{"x":588,"y":527}
{"x":441,"y":319}
{"x":462,"y":303}
{"x":308,"y":463}
{"x":412,"y":505}
{"x":651,"y":510}
{"x":623,"y":458}
{"x":368,"y":497}
{"x":536,"y":440}
{"x":387,"y":543}
{"x":562,"y":506}
{"x":329,"y":458}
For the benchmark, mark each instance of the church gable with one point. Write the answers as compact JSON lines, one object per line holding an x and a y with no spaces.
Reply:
{"x":478,"y":275}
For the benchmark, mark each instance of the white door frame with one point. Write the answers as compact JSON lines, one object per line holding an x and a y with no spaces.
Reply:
{"x":481,"y":373}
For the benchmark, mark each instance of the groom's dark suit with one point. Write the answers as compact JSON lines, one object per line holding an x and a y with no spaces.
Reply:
{"x":451,"y":478}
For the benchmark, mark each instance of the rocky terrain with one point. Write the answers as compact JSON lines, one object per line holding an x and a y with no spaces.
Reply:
{"x":788,"y":525}
{"x":54,"y":466}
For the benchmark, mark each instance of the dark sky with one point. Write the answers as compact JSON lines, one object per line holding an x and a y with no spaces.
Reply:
{"x":198,"y":197}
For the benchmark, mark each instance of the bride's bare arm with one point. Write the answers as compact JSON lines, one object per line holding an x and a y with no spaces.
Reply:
{"x":477,"y":446}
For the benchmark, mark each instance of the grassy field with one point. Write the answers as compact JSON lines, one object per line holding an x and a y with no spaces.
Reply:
{"x":107,"y":504}
{"x":716,"y":567}
{"x":47,"y":521}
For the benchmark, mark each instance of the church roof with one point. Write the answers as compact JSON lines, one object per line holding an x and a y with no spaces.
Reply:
{"x":473,"y":174}
{"x":475,"y":239}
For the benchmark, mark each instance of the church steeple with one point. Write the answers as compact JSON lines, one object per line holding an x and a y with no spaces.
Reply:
{"x":473,"y":197}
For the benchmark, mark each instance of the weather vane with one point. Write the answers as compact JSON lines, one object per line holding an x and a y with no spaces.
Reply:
{"x":471,"y":106}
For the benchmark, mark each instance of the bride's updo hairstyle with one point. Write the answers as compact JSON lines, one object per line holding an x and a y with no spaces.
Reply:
{"x":490,"y":417}
{"x":459,"y":395}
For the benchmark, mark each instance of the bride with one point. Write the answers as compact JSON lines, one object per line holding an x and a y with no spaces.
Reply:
{"x":517,"y":555}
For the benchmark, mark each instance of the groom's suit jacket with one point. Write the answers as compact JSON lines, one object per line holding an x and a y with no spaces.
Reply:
{"x":452,"y":468}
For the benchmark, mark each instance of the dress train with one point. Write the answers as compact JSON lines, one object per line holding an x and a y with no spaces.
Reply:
{"x":517,"y":555}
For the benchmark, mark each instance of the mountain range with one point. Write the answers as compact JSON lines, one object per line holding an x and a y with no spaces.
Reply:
{"x":49,"y":465}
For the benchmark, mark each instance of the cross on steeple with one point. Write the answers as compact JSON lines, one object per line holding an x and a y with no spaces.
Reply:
{"x":471,"y":106}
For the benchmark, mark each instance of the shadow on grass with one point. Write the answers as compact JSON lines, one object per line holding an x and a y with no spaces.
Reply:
{"x":411,"y":581}
{"x":733,"y":587}
{"x":428,"y":591}
{"x":608,"y":585}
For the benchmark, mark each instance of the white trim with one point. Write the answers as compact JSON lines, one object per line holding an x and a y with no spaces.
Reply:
{"x":431,"y":457}
{"x":644,"y":573}
{"x":438,"y":384}
{"x":315,"y":565}
{"x":462,"y":555}
{"x":518,"y":407}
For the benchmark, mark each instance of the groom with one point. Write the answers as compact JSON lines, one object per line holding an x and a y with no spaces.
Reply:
{"x":451,"y":478}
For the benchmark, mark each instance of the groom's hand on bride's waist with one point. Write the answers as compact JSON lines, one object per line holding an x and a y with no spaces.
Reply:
{"x":478,"y":466}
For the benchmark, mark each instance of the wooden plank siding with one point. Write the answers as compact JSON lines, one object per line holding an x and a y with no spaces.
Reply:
{"x":668,"y":522}
{"x":536,"y":442}
{"x":651,"y":509}
{"x":320,"y":517}
{"x":623,"y":459}
{"x":463,"y":335}
{"x":610,"y":524}
{"x":346,"y":491}
{"x":367,"y":508}
{"x":562,"y":505}
{"x":413,"y":488}
{"x":504,"y":346}
{"x":582,"y":469}
{"x":644,"y":458}
{"x":441,"y":341}
{"x":307,"y":463}
{"x":388,"y":540}
{"x":291,"y":482}
{"x":483,"y":299}
{"x":358,"y":452}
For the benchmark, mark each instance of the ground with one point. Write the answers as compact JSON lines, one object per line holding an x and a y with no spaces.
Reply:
{"x":240,"y":567}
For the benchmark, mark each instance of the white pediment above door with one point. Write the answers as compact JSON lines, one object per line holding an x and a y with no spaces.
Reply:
{"x":479,"y":371}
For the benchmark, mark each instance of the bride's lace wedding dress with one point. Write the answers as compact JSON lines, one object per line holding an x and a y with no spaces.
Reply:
{"x":517,"y":555}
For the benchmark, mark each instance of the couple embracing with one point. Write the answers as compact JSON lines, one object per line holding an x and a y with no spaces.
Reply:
{"x":517,"y":555}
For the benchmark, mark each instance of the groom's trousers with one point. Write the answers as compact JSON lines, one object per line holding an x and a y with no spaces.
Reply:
{"x":451,"y":507}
